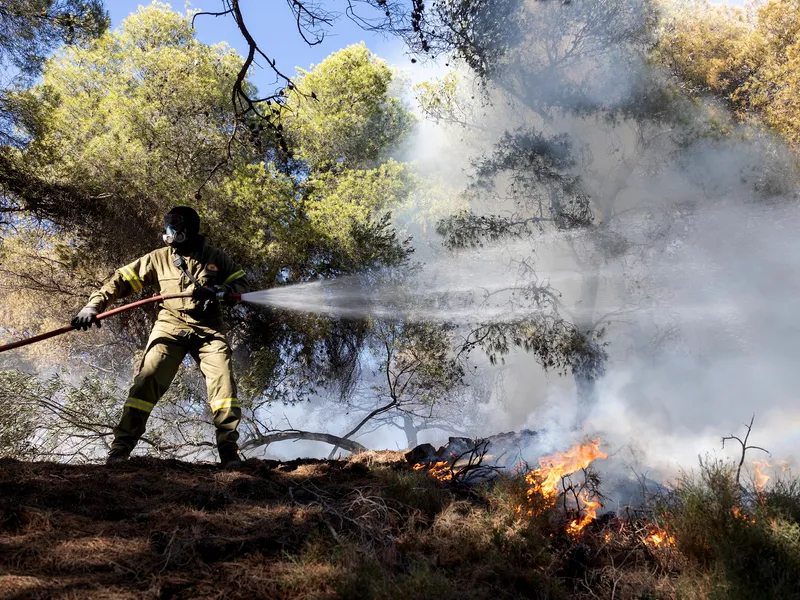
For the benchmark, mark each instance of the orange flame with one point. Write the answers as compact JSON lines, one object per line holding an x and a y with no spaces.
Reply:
{"x":554,"y":467}
{"x":590,"y":507}
{"x":659,"y":538}
{"x":737,"y":513}
{"x":440,"y":470}
{"x":760,"y":476}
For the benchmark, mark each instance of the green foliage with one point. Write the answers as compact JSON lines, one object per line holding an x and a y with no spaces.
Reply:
{"x":339,"y":203}
{"x":440,"y":99}
{"x":557,"y":344}
{"x":340,"y":114}
{"x":483,"y":33}
{"x":141,"y":120}
{"x":537,"y":170}
{"x":749,"y":540}
{"x":750,"y":59}
{"x":416,"y":359}
{"x":130,"y":125}
{"x":31,"y":29}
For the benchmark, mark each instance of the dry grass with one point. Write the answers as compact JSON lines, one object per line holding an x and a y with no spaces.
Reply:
{"x":365,"y":527}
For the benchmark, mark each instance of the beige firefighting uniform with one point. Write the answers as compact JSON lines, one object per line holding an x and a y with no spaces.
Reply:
{"x":182,"y":326}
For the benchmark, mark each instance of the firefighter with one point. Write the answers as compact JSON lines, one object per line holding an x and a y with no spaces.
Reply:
{"x":184,"y":325}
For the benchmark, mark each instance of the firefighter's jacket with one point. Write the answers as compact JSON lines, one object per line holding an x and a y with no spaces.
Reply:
{"x":208,"y":265}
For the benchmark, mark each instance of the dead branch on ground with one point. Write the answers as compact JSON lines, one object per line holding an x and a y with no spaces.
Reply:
{"x":259,"y":440}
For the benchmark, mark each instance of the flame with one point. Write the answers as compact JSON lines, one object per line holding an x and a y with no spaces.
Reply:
{"x":547,"y":478}
{"x":760,"y":476}
{"x":440,"y":470}
{"x":659,"y":538}
{"x":737,"y":513}
{"x":590,"y":507}
{"x":554,"y":467}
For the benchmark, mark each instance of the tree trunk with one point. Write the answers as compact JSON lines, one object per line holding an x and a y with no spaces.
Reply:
{"x":411,"y":432}
{"x":585,"y":377}
{"x":585,"y":381}
{"x":586,"y":386}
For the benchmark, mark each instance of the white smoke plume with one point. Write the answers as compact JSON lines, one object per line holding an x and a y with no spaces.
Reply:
{"x":698,"y":285}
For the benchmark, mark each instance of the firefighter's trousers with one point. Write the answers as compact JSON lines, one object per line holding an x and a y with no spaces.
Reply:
{"x":166,"y":349}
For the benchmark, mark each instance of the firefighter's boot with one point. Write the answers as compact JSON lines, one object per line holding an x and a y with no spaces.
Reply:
{"x":117,"y":456}
{"x":229,"y":457}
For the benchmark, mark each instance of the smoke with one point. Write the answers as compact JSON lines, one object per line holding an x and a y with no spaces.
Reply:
{"x":732,"y":306}
{"x":693,"y":251}
{"x":689,"y":267}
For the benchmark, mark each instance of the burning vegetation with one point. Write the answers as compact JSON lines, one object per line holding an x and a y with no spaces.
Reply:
{"x":693,"y":537}
{"x":376,"y":526}
{"x":547,"y":484}
{"x":659,"y":538}
{"x":441,"y":470}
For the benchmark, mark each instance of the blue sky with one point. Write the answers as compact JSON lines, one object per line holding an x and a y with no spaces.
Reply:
{"x":272,"y":25}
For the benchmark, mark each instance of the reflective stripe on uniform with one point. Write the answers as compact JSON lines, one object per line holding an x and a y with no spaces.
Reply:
{"x":138,"y":404}
{"x":132,"y":278}
{"x":238,"y":275}
{"x":224,"y":403}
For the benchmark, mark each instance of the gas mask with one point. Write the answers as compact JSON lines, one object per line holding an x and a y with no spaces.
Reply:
{"x":174,"y":230}
{"x":172,"y":237}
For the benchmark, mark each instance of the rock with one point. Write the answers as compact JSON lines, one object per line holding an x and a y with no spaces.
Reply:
{"x":457,"y":446}
{"x":424,"y":453}
{"x":503,"y":448}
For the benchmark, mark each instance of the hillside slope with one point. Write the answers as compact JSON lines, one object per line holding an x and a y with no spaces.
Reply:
{"x":166,"y":529}
{"x":365,"y":527}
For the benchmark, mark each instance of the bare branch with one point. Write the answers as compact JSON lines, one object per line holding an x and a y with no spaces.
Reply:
{"x":743,"y":444}
{"x":211,"y":14}
{"x":265,"y":440}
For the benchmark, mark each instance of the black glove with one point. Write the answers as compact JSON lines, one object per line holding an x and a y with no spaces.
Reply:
{"x":84,"y":319}
{"x":204,"y":294}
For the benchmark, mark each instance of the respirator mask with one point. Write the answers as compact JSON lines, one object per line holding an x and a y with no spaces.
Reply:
{"x":174,"y":230}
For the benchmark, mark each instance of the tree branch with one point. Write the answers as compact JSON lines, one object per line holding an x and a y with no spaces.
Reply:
{"x":745,"y":447}
{"x":265,"y":440}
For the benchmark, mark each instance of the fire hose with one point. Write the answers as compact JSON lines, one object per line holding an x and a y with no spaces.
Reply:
{"x":105,"y":315}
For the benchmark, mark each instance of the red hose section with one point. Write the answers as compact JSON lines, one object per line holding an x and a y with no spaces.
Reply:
{"x":100,"y":317}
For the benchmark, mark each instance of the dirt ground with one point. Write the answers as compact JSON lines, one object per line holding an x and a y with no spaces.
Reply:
{"x":165,"y":529}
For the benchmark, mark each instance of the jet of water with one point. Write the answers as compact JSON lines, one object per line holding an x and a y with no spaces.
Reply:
{"x":456,"y":291}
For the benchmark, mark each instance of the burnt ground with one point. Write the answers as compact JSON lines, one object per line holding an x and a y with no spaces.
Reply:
{"x":168,"y":529}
